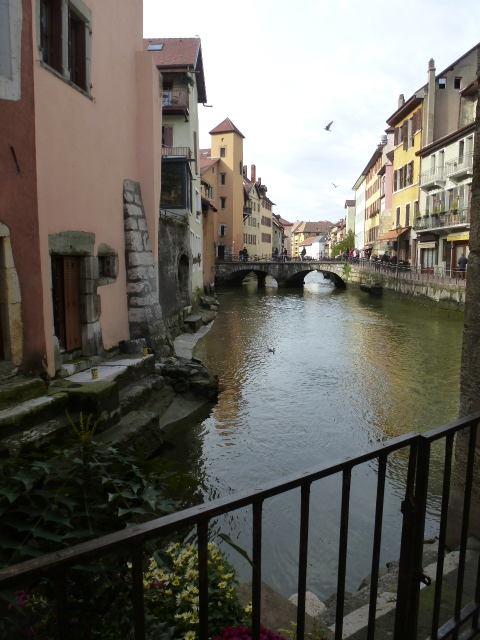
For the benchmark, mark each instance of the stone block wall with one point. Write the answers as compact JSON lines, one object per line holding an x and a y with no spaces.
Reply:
{"x":145,"y":316}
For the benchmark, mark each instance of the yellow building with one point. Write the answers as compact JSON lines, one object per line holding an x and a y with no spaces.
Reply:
{"x":227,"y":146}
{"x":407,"y":121}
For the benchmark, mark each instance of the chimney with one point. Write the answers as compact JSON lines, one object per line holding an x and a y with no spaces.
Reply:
{"x":253,"y":173}
{"x":244,"y":170}
{"x":430,"y":109}
{"x":401,"y":100}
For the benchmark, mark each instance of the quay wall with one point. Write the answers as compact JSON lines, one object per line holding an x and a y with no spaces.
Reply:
{"x":440,"y":294}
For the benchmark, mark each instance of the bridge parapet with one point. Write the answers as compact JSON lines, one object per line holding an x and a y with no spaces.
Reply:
{"x":286,"y":274}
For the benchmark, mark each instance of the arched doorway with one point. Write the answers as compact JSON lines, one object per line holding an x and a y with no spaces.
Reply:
{"x":184,"y":279}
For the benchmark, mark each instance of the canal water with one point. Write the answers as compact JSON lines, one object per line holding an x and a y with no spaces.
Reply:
{"x":308,"y":377}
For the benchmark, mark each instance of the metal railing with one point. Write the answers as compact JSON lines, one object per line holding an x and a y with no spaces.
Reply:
{"x":445,"y":219}
{"x":177,"y":152}
{"x":132,"y":541}
{"x":432,"y":176}
{"x":441,"y":275}
{"x":461,"y":165}
{"x":175,"y":99}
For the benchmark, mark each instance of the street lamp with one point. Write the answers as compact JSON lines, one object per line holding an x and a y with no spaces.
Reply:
{"x":399,"y":230}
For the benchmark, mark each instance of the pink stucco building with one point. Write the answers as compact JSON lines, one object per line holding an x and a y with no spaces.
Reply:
{"x":80,"y":114}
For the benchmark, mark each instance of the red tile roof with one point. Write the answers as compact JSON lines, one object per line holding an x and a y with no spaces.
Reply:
{"x":206,"y":163}
{"x":226,"y":126}
{"x":180,"y":54}
{"x":176,"y":52}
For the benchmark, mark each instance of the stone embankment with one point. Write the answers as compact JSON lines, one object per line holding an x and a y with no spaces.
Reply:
{"x":137,"y":396}
{"x":356,"y":605}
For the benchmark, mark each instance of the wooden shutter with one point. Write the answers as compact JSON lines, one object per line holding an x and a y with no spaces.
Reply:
{"x":195,"y":154}
{"x":405,"y":134}
{"x":395,"y":180}
{"x":167,"y":132}
{"x":395,"y":137}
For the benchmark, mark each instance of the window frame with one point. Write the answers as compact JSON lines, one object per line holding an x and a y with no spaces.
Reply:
{"x":71,"y":31}
{"x":185,"y":176}
{"x":10,"y":72}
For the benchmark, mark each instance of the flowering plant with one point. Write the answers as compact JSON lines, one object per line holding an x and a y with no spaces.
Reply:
{"x":242,"y":633}
{"x":172,"y":594}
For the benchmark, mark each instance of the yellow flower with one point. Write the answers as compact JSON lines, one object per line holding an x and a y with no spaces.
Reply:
{"x":190,"y":635}
{"x":219,"y":604}
{"x":176,"y":582}
{"x":248,"y":609}
{"x":222,"y":585}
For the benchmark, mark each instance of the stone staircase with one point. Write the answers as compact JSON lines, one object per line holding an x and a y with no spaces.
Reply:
{"x":118,"y":389}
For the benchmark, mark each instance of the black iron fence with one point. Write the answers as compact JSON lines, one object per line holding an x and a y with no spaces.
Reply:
{"x":132,"y":541}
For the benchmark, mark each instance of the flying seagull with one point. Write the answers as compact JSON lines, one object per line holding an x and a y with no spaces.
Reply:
{"x":327,"y":128}
{"x":335,"y":185}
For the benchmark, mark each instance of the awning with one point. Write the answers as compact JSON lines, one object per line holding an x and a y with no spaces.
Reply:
{"x":392,"y":235}
{"x":458,"y":237}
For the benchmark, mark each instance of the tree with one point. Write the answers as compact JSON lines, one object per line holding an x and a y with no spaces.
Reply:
{"x":347,"y":244}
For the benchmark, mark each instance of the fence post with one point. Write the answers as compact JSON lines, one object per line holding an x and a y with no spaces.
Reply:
{"x":410,"y":572}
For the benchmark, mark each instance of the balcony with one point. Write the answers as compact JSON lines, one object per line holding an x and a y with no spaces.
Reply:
{"x":177,"y":152}
{"x":176,"y":102}
{"x":461,"y":217}
{"x":433,"y":178}
{"x":460,"y":168}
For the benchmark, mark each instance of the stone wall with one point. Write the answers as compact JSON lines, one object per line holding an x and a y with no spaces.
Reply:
{"x":145,"y":316}
{"x":174,"y":270}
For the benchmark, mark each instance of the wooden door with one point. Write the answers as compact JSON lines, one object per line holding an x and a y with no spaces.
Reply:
{"x":66,"y":301}
{"x":221,"y":252}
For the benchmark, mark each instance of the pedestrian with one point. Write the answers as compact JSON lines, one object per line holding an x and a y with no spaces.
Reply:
{"x":303,"y":253}
{"x":462,"y":265}
{"x":245,"y":254}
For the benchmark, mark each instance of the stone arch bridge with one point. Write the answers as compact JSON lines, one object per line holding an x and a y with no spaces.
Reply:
{"x":287,"y":274}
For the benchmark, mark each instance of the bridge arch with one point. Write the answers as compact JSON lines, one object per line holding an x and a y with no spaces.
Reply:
{"x":286,"y":274}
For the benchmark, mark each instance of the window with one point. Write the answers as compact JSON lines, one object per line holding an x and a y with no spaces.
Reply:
{"x":415,"y":209}
{"x":155,"y":47}
{"x":442,"y":83}
{"x":71,"y":61}
{"x":461,"y":151}
{"x":198,"y":203}
{"x":457,"y":83}
{"x":213,"y":171}
{"x":223,"y":179}
{"x":176,"y":185}
{"x":223,"y":203}
{"x":222,"y":231}
{"x":397,"y":221}
{"x":51,"y":33}
{"x":223,"y":152}
{"x":410,"y":133}
{"x":167,"y":136}
{"x":10,"y":49}
{"x":77,"y":64}
{"x":407,"y":214}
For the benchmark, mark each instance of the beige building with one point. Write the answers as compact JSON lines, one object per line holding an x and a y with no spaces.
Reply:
{"x":302,"y":230}
{"x":181,"y":64}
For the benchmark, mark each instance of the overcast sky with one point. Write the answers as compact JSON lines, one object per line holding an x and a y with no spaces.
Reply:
{"x":282,"y":70}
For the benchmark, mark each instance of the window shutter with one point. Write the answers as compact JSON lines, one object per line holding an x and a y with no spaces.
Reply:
{"x":415,"y":121}
{"x":395,"y":137}
{"x":168,"y":136}
{"x":195,"y":154}
{"x":405,"y":134}
{"x":395,"y":180}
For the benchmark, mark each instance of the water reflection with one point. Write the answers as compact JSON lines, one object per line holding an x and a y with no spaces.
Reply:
{"x":308,"y":377}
